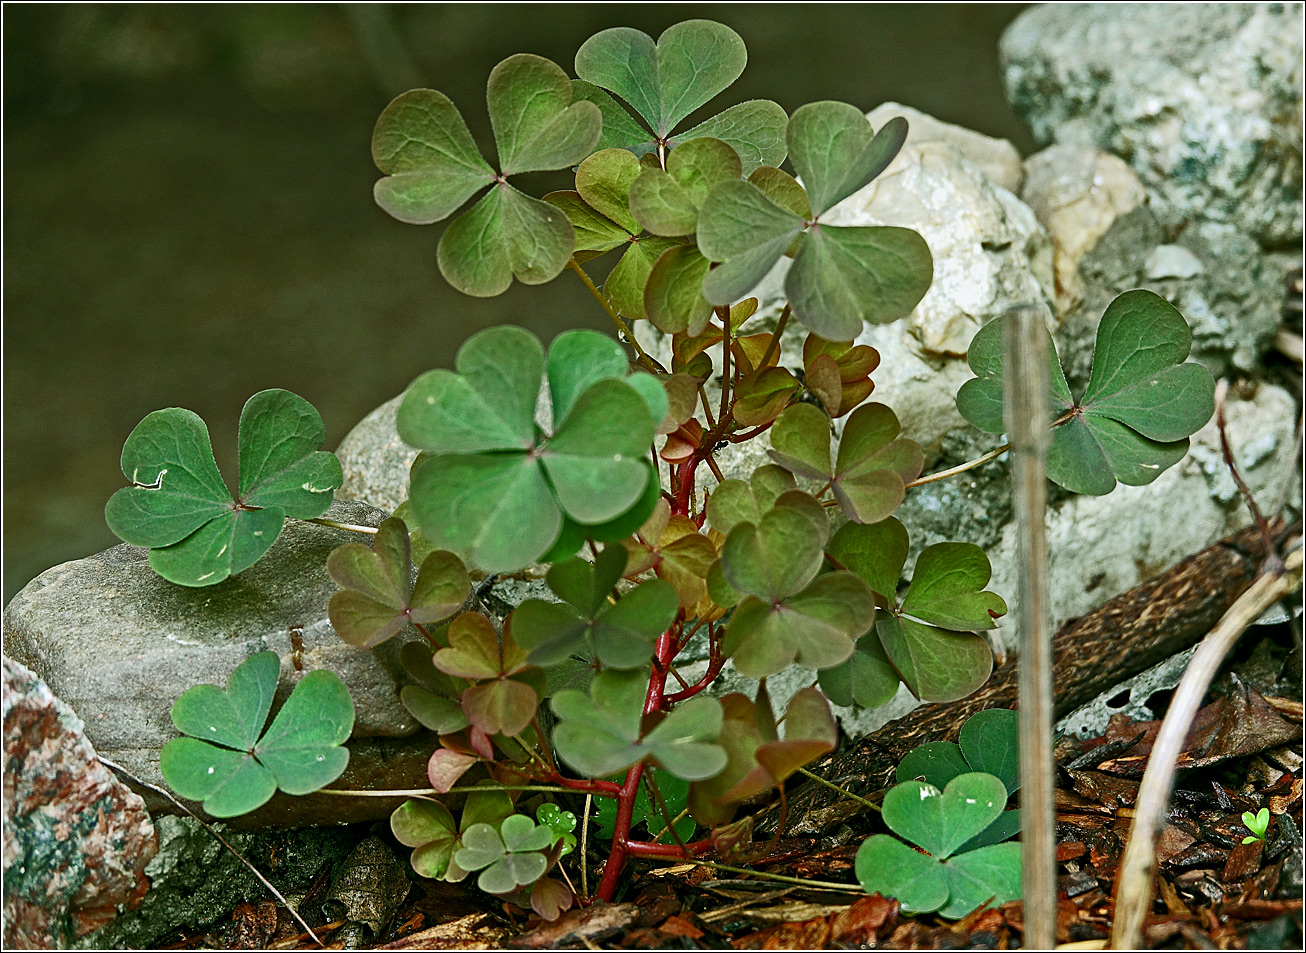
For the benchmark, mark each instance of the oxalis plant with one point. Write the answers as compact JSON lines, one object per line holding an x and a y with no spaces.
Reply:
{"x":588,"y":458}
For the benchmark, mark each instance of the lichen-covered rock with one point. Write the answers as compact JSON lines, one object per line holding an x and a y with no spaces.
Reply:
{"x":1107,"y":240}
{"x":120,"y":644}
{"x":1077,"y":193}
{"x":1203,"y":100}
{"x":997,"y":159}
{"x":76,"y":840}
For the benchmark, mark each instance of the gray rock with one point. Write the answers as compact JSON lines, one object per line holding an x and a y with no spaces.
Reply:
{"x":120,"y":644}
{"x":76,"y":841}
{"x":1203,"y":101}
{"x":375,"y":460}
{"x":1107,"y":240}
{"x":997,"y":159}
{"x":1091,"y":720}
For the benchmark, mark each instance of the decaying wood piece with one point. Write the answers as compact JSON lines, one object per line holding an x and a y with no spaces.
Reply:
{"x":1129,"y":634}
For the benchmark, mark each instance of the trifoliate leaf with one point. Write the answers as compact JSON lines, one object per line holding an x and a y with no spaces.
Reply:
{"x":867,"y":679}
{"x":490,"y":485}
{"x":377,"y":600}
{"x":422,"y":143}
{"x":197,"y":532}
{"x":1141,"y":404}
{"x":232,"y":773}
{"x":676,"y":551}
{"x":508,"y":858}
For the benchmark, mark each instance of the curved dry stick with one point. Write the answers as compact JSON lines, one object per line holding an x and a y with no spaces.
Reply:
{"x":1138,"y":866}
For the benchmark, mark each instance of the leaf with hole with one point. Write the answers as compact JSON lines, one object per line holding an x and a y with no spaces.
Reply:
{"x":495,"y":488}
{"x":237,"y":766}
{"x":1141,"y":405}
{"x":179,"y":507}
{"x":432,"y":166}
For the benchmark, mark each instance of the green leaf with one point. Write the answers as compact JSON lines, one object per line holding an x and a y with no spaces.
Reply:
{"x":734,"y":501}
{"x":620,"y":131}
{"x":595,"y":234}
{"x":1141,"y":404}
{"x":832,"y":147}
{"x":941,"y":821}
{"x":937,"y":665}
{"x":490,"y":485}
{"x":773,"y":558}
{"x":377,"y":600}
{"x":603,"y":181}
{"x":947,"y":588}
{"x":755,"y":130}
{"x":660,"y":205}
{"x":990,"y":742}
{"x":673,"y":296}
{"x":763,"y":394}
{"x":442,"y":715}
{"x":782,"y":189}
{"x":815,"y":628}
{"x":692,"y":62}
{"x":887,"y":866}
{"x":740,"y":226}
{"x":874,"y":464}
{"x":506,"y":234}
{"x":536,"y":125}
{"x":866,"y":679}
{"x":935,"y":762}
{"x":628,"y":279}
{"x":810,"y":732}
{"x":233,"y":774}
{"x":800,"y":441}
{"x":428,"y":827}
{"x":844,"y":275}
{"x":431,"y":163}
{"x":180,"y":507}
{"x":977,"y":876}
{"x":511,"y":857}
{"x":674,"y":792}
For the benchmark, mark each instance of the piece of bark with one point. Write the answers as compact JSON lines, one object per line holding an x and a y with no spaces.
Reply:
{"x":1127,"y":635}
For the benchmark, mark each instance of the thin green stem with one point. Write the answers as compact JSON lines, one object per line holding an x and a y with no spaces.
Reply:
{"x":336,"y":524}
{"x":961,"y":467}
{"x":778,"y":878}
{"x":775,"y":338}
{"x":724,"y":314}
{"x":834,"y":787}
{"x":641,"y":355}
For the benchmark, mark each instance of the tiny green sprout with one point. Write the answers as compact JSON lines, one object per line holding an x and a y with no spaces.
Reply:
{"x":1258,"y":824}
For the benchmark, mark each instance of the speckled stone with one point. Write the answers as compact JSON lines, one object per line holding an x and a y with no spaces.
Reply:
{"x":120,"y":644}
{"x":1203,"y":100}
{"x":76,"y":841}
{"x":375,"y":460}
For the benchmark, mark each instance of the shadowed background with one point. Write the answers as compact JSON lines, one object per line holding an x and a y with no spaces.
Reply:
{"x":188,"y":213}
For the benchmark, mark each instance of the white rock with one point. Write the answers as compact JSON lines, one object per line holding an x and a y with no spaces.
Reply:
{"x":996,"y":158}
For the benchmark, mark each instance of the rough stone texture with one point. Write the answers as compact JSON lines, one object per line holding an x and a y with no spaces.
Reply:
{"x":195,"y":881}
{"x":996,"y":158}
{"x":1077,"y":193}
{"x":1090,"y":721}
{"x":1107,"y":240}
{"x":119,"y":643}
{"x":76,"y":841}
{"x":375,"y":460}
{"x":1202,"y":100}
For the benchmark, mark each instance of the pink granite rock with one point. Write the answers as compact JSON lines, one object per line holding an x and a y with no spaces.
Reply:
{"x":76,"y":840}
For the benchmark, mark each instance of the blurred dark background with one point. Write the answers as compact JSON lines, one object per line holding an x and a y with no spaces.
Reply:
{"x":188,"y":215}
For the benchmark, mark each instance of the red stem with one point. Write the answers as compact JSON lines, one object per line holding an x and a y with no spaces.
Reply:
{"x":639,"y":848}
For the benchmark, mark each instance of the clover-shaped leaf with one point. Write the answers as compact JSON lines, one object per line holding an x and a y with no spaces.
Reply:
{"x":432,"y":167}
{"x":1141,"y":405}
{"x":197,"y":533}
{"x":427,"y":827}
{"x":621,"y":633}
{"x":867,"y":678}
{"x":646,"y":810}
{"x":928,"y":637}
{"x":600,"y":733}
{"x":490,"y":484}
{"x":1258,"y":824}
{"x":838,"y":373}
{"x":676,"y":551}
{"x":664,"y":82}
{"x":560,"y":824}
{"x":509,"y":857}
{"x":874,"y":464}
{"x":502,"y":700}
{"x":842,"y":275}
{"x":990,"y":743}
{"x":941,"y":822}
{"x":434,"y":700}
{"x":810,"y":731}
{"x":788,"y":614}
{"x":378,"y":597}
{"x":734,"y":501}
{"x":238,"y":766}
{"x":600,"y":212}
